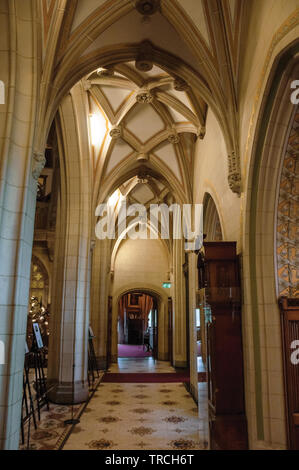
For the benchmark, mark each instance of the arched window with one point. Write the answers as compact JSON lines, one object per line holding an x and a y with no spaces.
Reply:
{"x":287,"y":234}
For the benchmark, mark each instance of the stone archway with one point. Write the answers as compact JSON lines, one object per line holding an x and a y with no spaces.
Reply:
{"x":162,"y":302}
{"x":262,"y":332}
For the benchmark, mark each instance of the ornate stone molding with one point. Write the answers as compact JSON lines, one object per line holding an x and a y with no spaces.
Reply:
{"x":234,"y":173}
{"x":201,"y":132}
{"x":142,"y":176}
{"x":147,"y":7}
{"x":142,"y":157}
{"x":180,"y":85}
{"x":38,"y":164}
{"x":173,"y":137}
{"x":144,"y":96}
{"x":86,"y":85}
{"x":105,"y":72}
{"x":115,"y":132}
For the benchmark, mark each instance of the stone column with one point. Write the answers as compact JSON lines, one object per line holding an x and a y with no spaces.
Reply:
{"x":179,"y":306}
{"x":17,"y":203}
{"x":67,"y":368}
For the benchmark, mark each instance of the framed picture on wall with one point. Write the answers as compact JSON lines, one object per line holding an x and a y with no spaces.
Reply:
{"x":134,"y":299}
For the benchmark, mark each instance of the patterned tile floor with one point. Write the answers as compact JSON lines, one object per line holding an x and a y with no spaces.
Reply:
{"x":51,"y":429}
{"x":140,"y":365}
{"x":151,"y":416}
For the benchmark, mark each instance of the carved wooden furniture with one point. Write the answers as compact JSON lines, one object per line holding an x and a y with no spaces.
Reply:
{"x":289,"y":309}
{"x":222,"y":308}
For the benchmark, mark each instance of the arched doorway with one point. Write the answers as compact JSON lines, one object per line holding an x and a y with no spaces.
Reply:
{"x":137,"y":325}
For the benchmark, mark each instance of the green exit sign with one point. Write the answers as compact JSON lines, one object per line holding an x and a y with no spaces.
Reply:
{"x":166,"y":285}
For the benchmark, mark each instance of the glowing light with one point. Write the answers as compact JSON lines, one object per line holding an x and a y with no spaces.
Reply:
{"x":113,"y":199}
{"x":97,"y":129}
{"x":166,"y":285}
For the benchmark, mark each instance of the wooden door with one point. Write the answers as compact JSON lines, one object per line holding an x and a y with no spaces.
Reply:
{"x":109,"y":331}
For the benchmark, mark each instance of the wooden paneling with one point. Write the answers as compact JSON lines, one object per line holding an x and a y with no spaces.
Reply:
{"x":289,"y":308}
{"x":222,"y":306}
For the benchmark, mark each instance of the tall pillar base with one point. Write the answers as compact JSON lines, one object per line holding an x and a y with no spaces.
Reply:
{"x":67,"y":393}
{"x":101,"y":362}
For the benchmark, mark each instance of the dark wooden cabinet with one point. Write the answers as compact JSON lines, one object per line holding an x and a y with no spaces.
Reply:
{"x":289,"y":308}
{"x":222,"y":306}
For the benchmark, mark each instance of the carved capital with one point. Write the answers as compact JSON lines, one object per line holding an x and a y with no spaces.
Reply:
{"x":234,"y":173}
{"x":38,"y":164}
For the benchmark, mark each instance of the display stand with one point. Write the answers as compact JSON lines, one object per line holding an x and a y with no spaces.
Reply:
{"x":40,"y":379}
{"x":92,"y":360}
{"x":27,"y":401}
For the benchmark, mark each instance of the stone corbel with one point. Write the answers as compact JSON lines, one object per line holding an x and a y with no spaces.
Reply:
{"x":201,"y":132}
{"x":86,"y":85}
{"x":39,"y":161}
{"x":234,"y":173}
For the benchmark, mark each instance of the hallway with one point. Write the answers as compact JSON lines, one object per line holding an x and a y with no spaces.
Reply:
{"x":134,"y":416}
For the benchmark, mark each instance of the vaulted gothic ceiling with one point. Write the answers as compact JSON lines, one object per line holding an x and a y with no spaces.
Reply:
{"x":200,"y":42}
{"x":142,"y":114}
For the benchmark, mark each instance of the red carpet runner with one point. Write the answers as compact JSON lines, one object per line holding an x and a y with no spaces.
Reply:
{"x":151,"y":378}
{"x":129,"y":350}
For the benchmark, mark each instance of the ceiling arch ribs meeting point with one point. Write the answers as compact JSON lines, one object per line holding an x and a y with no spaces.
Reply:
{"x":159,"y":102}
{"x":129,"y":169}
